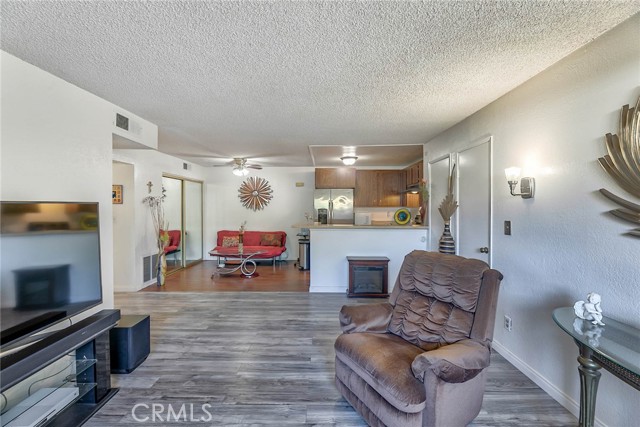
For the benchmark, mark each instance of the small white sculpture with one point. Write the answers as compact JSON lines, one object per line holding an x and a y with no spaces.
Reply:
{"x":590,"y":310}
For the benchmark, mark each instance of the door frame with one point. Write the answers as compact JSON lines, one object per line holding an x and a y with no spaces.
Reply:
{"x":476,"y":143}
{"x":453,"y":159}
{"x":432,"y":206}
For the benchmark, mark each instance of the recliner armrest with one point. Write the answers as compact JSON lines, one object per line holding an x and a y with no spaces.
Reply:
{"x":453,"y":363}
{"x":365,"y":318}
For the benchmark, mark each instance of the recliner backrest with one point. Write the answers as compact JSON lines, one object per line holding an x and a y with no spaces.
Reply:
{"x":435,"y":298}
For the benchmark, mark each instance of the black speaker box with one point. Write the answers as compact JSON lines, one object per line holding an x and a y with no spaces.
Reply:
{"x":130,"y":343}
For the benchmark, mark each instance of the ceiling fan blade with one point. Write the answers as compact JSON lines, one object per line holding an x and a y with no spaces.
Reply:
{"x":253,"y":166}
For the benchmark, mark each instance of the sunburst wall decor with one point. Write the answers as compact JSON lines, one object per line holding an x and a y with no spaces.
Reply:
{"x":255,"y":193}
{"x":623,"y":164}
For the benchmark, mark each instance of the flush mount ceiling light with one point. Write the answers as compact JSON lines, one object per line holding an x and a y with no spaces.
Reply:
{"x":348,"y":160}
{"x":527,"y":184}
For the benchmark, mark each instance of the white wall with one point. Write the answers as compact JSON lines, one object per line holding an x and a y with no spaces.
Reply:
{"x":56,"y":146}
{"x":173,"y":202}
{"x":564,"y":244}
{"x":330,"y":248}
{"x":287,"y":207}
{"x":149,"y":166}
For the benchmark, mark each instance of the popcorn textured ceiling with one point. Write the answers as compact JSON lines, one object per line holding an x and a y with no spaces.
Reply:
{"x":266,"y":80}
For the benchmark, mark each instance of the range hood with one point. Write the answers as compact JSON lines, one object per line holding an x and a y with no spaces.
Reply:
{"x":415,"y":188}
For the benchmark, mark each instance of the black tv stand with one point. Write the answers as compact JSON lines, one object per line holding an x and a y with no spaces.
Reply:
{"x":89,"y":338}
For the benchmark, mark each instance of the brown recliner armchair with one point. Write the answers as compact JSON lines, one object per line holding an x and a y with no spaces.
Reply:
{"x":419,"y":359}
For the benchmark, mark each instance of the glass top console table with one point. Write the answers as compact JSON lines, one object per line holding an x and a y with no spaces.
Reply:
{"x":614,"y":347}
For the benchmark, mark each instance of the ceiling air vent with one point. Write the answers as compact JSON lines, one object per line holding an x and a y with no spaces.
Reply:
{"x":185,"y":166}
{"x":122,"y":122}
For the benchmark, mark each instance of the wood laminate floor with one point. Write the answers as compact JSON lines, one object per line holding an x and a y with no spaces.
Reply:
{"x":267,"y":359}
{"x":281,"y":277}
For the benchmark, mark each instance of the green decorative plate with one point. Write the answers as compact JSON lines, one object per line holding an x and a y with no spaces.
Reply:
{"x":402,"y":216}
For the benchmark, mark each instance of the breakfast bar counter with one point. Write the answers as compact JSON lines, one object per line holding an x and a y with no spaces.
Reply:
{"x":331,"y":244}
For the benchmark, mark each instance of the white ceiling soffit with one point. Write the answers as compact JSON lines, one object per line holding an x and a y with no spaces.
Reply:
{"x":391,"y":156}
{"x":268,"y":79}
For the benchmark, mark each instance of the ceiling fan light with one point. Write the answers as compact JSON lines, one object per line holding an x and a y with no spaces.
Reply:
{"x":348,"y":160}
{"x":240,"y":171}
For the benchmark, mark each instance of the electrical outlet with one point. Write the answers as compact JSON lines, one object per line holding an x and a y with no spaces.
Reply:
{"x":507,"y":228}
{"x":508,"y":323}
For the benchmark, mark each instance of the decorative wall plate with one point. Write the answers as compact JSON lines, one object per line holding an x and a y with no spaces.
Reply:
{"x":255,"y":193}
{"x":402,"y":216}
{"x":622,"y":162}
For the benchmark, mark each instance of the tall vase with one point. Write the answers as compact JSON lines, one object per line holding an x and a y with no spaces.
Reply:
{"x":423,"y":213}
{"x":162,"y":270}
{"x":447,"y":244}
{"x":241,"y":243}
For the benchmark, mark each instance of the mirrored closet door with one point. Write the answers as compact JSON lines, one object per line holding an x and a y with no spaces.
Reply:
{"x":183,"y":211}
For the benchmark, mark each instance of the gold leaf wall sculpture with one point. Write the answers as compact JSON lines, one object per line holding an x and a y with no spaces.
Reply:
{"x":622,"y":163}
{"x":255,"y":193}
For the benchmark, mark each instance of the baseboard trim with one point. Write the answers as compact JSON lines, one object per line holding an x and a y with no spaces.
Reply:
{"x":558,"y":395}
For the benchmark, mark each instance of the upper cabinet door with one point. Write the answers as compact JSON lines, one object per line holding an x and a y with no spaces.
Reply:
{"x":390,"y":188}
{"x":414,"y":173}
{"x":335,"y":178}
{"x":366,"y":194}
{"x":378,"y":188}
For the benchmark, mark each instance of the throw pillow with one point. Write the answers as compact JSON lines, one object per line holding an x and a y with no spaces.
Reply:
{"x":270,"y":240}
{"x":229,"y":241}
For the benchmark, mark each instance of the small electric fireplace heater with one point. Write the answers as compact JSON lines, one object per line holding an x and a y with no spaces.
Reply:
{"x":368,"y":276}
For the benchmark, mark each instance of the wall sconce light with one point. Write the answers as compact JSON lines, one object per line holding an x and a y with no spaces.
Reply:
{"x":348,"y":160}
{"x":527,"y":184}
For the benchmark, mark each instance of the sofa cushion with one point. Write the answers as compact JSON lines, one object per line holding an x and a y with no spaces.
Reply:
{"x":384,"y":362}
{"x":230,"y":242}
{"x":269,"y":239}
{"x":250,"y":238}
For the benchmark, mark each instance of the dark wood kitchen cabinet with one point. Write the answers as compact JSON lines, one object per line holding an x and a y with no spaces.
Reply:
{"x":335,"y":178}
{"x":379,"y":188}
{"x":414,"y":174}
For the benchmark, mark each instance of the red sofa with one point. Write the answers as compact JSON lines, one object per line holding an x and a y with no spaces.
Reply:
{"x":271,"y":243}
{"x":173,"y":245}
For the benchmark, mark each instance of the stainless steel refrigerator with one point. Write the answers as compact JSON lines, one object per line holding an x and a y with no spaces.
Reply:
{"x":339,"y":205}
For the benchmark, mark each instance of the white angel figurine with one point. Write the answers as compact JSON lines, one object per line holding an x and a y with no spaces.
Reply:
{"x":590,"y":310}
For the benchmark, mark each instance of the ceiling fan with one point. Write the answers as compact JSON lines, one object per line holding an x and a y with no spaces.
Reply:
{"x":241,"y":167}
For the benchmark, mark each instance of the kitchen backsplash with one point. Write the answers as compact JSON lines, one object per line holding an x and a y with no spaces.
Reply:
{"x":383,"y":214}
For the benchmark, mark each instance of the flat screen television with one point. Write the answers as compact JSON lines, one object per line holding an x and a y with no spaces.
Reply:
{"x":49,"y":265}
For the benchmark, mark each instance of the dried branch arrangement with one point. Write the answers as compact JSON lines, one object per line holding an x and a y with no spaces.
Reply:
{"x":449,"y":204}
{"x":160,"y":226}
{"x":622,"y":163}
{"x":255,"y":193}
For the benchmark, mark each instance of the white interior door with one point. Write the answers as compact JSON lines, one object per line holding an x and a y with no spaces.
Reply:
{"x":474,"y":199}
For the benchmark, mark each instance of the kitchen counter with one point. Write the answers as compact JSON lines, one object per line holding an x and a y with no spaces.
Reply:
{"x":388,"y":225}
{"x":331,"y":244}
